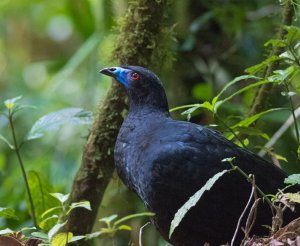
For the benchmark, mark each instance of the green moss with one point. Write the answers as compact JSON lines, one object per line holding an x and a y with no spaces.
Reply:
{"x":142,"y":39}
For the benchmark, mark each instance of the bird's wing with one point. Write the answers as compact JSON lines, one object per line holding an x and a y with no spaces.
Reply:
{"x":192,"y":154}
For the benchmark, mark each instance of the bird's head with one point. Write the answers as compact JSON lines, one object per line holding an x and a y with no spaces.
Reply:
{"x":143,"y":87}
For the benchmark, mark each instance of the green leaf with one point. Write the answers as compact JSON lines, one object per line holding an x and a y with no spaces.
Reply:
{"x":77,"y":238}
{"x":205,"y":105}
{"x":40,"y":235}
{"x":61,"y":239}
{"x":131,"y":216}
{"x":40,"y":189}
{"x":249,"y":131}
{"x":6,"y":231}
{"x":10,"y":103}
{"x":293,"y":33}
{"x":250,"y":86}
{"x":293,"y":197}
{"x":193,"y":200}
{"x":49,"y":222}
{"x":258,"y":67}
{"x":248,"y":121}
{"x":54,"y":120}
{"x":108,"y":219}
{"x":288,"y":94}
{"x":50,"y":210}
{"x":293,"y":179}
{"x":125,"y":227}
{"x":232,"y":82}
{"x":60,"y":197}
{"x":183,"y":107}
{"x":279,"y":76}
{"x":246,"y":142}
{"x":7,"y":142}
{"x":276,"y":43}
{"x":279,"y":157}
{"x":55,"y":229}
{"x":8,"y":213}
{"x":94,"y":234}
{"x":83,"y":204}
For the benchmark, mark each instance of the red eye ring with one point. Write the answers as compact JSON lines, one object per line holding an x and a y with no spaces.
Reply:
{"x":135,"y":76}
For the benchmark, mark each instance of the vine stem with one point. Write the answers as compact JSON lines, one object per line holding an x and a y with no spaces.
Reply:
{"x":248,"y":178}
{"x":17,"y":150}
{"x":232,"y":131}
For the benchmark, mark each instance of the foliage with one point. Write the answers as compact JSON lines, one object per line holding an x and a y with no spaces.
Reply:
{"x":50,"y":52}
{"x":113,"y":225}
{"x":284,"y":79}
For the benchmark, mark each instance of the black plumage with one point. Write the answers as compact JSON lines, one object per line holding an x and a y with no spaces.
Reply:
{"x":166,"y":161}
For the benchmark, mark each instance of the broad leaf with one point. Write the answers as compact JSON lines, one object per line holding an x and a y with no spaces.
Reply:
{"x":54,"y":120}
{"x":293,"y":33}
{"x":51,"y":210}
{"x":276,"y":43}
{"x":249,"y":131}
{"x":180,"y":214}
{"x":76,"y":238}
{"x":94,"y":234}
{"x":83,"y":204}
{"x":8,"y":213}
{"x":6,"y":231}
{"x":279,"y":76}
{"x":40,"y":189}
{"x":40,"y":235}
{"x":293,"y":179}
{"x":125,"y":227}
{"x":258,"y":67}
{"x":248,"y":121}
{"x":55,"y":229}
{"x":108,"y":220}
{"x":49,"y":222}
{"x":60,"y":197}
{"x":61,"y":239}
{"x":293,"y":197}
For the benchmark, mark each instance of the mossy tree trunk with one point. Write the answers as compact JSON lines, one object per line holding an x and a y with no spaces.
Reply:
{"x":138,"y":44}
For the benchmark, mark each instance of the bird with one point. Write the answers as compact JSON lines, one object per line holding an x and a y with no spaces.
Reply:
{"x":166,"y":161}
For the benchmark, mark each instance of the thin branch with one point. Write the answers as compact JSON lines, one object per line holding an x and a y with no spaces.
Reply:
{"x":141,"y":233}
{"x":242,"y":215}
{"x":17,"y":150}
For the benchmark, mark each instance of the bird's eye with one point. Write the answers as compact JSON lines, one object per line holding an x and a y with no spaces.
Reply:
{"x":135,"y":76}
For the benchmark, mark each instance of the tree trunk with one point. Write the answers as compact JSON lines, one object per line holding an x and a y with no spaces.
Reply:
{"x":138,"y":44}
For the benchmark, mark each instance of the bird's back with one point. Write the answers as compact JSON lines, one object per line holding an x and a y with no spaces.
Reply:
{"x":166,"y":161}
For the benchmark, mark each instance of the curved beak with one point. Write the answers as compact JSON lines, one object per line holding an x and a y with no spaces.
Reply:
{"x":109,"y":71}
{"x":118,"y":73}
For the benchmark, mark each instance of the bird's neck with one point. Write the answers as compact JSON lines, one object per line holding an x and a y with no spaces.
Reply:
{"x":153,"y":102}
{"x":142,"y":111}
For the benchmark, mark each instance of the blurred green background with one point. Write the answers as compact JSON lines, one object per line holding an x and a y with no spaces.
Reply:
{"x":51,"y":51}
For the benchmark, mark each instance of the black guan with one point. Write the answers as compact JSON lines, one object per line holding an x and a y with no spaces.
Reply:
{"x":166,"y":161}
